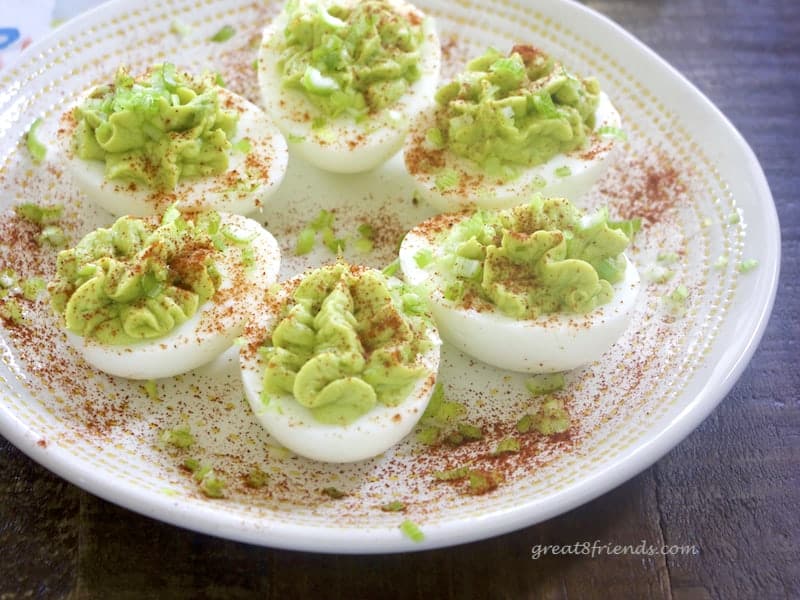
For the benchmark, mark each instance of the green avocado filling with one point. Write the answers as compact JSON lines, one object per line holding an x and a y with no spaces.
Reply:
{"x":535,"y":259}
{"x":351,"y":60}
{"x":347,"y":341}
{"x":157,"y":130}
{"x":138,"y":279}
{"x":507,"y":113}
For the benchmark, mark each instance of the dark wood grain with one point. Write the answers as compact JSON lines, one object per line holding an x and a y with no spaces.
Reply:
{"x":732,"y":488}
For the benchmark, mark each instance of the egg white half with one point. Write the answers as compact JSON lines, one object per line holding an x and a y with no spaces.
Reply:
{"x":252,"y":177}
{"x":551,"y":343}
{"x":293,"y":425}
{"x":342,"y":145}
{"x":586,"y":165}
{"x":212,"y":329}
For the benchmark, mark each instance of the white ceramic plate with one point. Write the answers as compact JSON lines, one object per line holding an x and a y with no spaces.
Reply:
{"x":685,"y":169}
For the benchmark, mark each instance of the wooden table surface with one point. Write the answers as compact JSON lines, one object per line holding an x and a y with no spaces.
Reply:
{"x":732,"y":488}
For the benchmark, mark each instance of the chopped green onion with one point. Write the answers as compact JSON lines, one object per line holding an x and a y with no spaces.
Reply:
{"x":412,"y":531}
{"x":675,"y":301}
{"x":525,"y":423}
{"x":721,"y":262}
{"x":393,"y":506}
{"x":506,"y":446}
{"x":324,"y":219}
{"x":447,"y":179}
{"x":470,"y":432}
{"x":481,"y":482}
{"x":180,"y":437}
{"x":450,"y":411}
{"x":435,"y":403}
{"x":747,"y":265}
{"x":668,"y":258}
{"x":257,"y":478}
{"x":452,"y":474}
{"x":615,"y":132}
{"x":544,"y":105}
{"x":629,"y":227}
{"x":454,"y":292}
{"x":392,"y":268}
{"x":317,"y":83}
{"x":428,"y":435}
{"x":248,"y":257}
{"x":192,"y":464}
{"x":243,"y":146}
{"x":238,"y":236}
{"x":423,"y":258}
{"x":305,"y":241}
{"x":538,"y":182}
{"x":562,"y":171}
{"x":31,"y":288}
{"x":334,"y":244}
{"x":466,"y":267}
{"x":365,"y":230}
{"x":551,"y":418}
{"x":12,"y":311}
{"x":37,"y":150}
{"x":170,"y":215}
{"x":544,"y":383}
{"x":40,"y":215}
{"x":413,"y":304}
{"x":679,"y":294}
{"x":658,"y":274}
{"x":150,"y":389}
{"x":434,"y":137}
{"x":734,"y":218}
{"x":53,"y":235}
{"x":333,"y":492}
{"x":211,"y":485}
{"x":364,"y":245}
{"x":224,"y":34}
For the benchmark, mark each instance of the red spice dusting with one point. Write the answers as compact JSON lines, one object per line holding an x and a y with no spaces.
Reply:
{"x":650,"y":187}
{"x":526,"y":52}
{"x":420,"y":159}
{"x":414,"y":17}
{"x":595,"y":148}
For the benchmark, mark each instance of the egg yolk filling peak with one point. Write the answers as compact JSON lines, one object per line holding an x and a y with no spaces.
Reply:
{"x":351,"y":59}
{"x":507,"y":113}
{"x":535,"y":259}
{"x":346,"y":341}
{"x":157,"y":130}
{"x":140,"y":278}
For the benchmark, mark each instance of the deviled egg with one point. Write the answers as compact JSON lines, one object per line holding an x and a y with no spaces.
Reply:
{"x":343,"y":78}
{"x":137,"y":146}
{"x":155,"y":297}
{"x":342,"y":364}
{"x":508,"y":127}
{"x":537,"y":288}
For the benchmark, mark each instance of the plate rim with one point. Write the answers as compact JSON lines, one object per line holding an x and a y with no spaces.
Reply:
{"x":189,"y":513}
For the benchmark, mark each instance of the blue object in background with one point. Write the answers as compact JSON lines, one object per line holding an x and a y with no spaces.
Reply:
{"x":8,"y":35}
